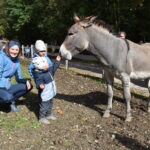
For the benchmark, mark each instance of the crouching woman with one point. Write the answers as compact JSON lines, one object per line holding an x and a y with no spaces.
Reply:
{"x":9,"y":67}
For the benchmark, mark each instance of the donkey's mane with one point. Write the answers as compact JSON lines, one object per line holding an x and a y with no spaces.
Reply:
{"x":98,"y":22}
{"x":103,"y":24}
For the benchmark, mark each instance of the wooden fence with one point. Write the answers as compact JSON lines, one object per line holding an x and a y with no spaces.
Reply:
{"x":32,"y":50}
{"x":53,"y":53}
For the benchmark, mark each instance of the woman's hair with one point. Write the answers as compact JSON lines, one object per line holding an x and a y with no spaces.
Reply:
{"x":11,"y":43}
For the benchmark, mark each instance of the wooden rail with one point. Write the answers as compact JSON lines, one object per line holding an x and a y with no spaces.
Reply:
{"x":53,"y":53}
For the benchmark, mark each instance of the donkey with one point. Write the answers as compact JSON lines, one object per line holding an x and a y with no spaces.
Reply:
{"x":125,"y":60}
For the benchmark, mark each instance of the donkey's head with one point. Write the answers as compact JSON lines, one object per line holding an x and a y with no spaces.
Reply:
{"x":77,"y":38}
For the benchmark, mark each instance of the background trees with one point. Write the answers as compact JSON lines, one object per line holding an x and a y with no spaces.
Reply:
{"x":3,"y":19}
{"x":49,"y":19}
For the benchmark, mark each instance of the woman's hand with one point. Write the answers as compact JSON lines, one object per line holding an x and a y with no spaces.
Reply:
{"x":41,"y":86}
{"x":28,"y":83}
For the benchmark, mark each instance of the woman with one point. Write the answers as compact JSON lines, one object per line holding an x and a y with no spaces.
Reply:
{"x":9,"y":67}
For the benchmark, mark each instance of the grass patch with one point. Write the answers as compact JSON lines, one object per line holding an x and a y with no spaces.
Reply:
{"x":10,"y":124}
{"x":24,"y":67}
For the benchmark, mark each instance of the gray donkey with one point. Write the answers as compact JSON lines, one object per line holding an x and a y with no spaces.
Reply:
{"x":119,"y":58}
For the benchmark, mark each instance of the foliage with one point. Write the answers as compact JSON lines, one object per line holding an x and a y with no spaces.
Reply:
{"x":50,"y":19}
{"x":3,"y":20}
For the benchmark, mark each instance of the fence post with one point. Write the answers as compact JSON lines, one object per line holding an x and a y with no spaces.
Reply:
{"x":32,"y":49}
{"x":46,"y":48}
{"x":66,"y":64}
{"x":53,"y":49}
{"x":22,"y":47}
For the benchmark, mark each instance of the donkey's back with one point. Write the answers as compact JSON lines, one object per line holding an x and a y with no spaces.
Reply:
{"x":139,"y":61}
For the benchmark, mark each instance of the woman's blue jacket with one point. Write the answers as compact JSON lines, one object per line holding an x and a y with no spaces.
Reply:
{"x":9,"y":67}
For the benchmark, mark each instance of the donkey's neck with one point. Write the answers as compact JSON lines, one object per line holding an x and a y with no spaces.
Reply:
{"x":101,"y":39}
{"x":106,"y":47}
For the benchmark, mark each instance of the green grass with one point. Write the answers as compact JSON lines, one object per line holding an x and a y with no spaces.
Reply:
{"x":10,"y":124}
{"x":24,"y":68}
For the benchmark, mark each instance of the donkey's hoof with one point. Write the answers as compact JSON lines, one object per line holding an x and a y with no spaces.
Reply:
{"x":106,"y":114}
{"x":128,"y":119}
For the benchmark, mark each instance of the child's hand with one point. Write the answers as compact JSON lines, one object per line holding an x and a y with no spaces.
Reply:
{"x":58,"y":58}
{"x":41,"y":86}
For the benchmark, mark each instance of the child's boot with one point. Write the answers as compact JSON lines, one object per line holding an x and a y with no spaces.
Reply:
{"x":51,"y":117}
{"x":44,"y":121}
{"x":49,"y":114}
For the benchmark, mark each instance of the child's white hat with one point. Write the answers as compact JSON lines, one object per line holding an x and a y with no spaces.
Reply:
{"x":40,"y":45}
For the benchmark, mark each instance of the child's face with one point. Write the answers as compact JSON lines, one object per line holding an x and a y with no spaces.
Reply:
{"x":42,"y":53}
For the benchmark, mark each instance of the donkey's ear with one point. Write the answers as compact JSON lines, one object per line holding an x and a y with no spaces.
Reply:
{"x":76,"y":18}
{"x":92,"y":19}
{"x":88,"y":21}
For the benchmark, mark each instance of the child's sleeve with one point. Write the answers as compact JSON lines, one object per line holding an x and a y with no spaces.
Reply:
{"x":49,"y":61}
{"x":54,"y":67}
{"x":38,"y":80}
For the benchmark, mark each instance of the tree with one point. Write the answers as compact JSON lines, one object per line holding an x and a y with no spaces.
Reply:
{"x":50,"y":19}
{"x":3,"y":19}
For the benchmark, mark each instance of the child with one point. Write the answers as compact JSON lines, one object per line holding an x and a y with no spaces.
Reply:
{"x":42,"y":70}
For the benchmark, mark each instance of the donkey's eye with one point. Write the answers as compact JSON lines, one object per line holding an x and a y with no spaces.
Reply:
{"x":69,"y":34}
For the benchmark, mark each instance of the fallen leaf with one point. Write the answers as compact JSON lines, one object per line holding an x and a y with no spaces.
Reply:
{"x":60,"y":111}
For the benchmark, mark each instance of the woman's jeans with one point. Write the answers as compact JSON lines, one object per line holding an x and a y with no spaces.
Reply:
{"x":13,"y":93}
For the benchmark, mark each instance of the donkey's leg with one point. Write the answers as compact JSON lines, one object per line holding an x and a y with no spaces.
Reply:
{"x":149,"y":96}
{"x":127,"y":94}
{"x":110,"y":79}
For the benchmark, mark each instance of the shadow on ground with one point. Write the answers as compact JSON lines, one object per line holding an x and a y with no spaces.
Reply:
{"x":119,"y":87}
{"x":90,"y":100}
{"x":130,"y":143}
{"x":30,"y":100}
